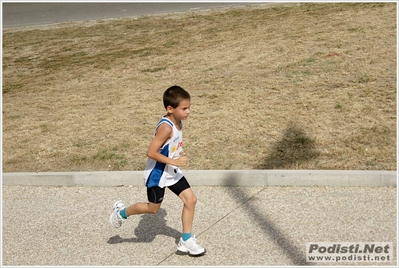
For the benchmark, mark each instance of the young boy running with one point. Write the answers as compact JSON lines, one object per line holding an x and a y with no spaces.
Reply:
{"x":162,"y":170}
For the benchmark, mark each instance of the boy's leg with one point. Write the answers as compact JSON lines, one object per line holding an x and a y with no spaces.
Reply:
{"x":189,"y":199}
{"x":120,"y":212}
{"x":155,"y":197}
{"x":183,"y":190}
{"x":142,"y":208}
{"x":185,"y":193}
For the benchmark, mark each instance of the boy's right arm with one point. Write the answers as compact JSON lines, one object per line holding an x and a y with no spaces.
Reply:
{"x":163,"y":133}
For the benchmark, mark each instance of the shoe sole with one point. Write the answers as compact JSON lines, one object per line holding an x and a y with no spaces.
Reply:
{"x":111,"y":221}
{"x":184,"y":250}
{"x":113,"y":208}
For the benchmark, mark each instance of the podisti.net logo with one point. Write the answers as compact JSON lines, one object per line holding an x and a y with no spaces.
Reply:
{"x":349,"y":252}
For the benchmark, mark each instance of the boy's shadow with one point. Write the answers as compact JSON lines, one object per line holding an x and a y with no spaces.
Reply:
{"x":149,"y":227}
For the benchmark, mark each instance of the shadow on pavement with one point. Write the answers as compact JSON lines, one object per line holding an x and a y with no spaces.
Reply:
{"x":295,"y":148}
{"x":296,"y":255}
{"x":148,"y":228}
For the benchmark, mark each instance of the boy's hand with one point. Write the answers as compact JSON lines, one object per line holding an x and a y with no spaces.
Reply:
{"x":181,"y":161}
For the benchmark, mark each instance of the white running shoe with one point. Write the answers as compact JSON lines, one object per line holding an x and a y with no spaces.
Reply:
{"x":116,"y":219}
{"x":191,"y":247}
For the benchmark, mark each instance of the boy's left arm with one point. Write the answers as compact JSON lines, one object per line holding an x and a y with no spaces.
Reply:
{"x":164,"y":132}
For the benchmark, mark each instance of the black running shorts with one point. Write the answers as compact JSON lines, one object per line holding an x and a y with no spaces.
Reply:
{"x":155,"y":194}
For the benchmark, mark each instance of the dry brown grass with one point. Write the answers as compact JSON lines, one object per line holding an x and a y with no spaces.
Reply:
{"x":300,"y":86}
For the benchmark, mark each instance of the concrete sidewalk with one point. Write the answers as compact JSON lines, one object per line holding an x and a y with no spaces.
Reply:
{"x":211,"y":178}
{"x":239,"y":226}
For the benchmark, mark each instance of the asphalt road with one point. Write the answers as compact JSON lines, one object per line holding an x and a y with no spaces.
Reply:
{"x":31,"y":14}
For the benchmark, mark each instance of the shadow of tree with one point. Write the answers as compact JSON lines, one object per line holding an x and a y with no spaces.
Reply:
{"x":294,"y":149}
{"x":295,"y":254}
{"x":148,"y":228}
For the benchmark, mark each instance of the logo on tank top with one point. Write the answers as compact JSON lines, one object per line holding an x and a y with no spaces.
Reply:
{"x":177,"y":147}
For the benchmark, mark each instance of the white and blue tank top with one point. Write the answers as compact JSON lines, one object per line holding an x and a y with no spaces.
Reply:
{"x":160,"y":174}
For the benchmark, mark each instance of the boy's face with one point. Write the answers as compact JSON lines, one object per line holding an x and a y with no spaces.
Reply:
{"x":182,"y":111}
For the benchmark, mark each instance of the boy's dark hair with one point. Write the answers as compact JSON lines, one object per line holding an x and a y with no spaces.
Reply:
{"x":174,"y":95}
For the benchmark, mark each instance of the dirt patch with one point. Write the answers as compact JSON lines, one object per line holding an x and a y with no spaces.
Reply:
{"x":302,"y":86}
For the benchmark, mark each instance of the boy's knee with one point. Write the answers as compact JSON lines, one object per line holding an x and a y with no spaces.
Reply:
{"x":153,"y":209}
{"x":191,"y":201}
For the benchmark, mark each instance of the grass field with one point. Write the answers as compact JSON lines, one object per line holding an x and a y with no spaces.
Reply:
{"x":298,"y":86}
